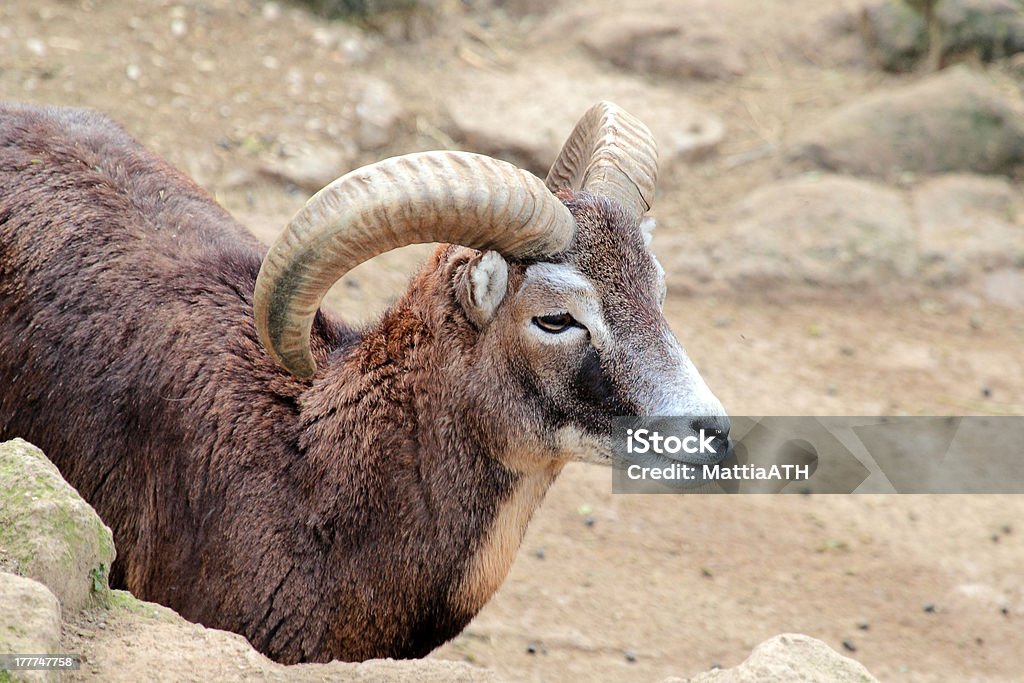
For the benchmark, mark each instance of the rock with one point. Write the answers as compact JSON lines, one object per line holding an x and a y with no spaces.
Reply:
{"x":791,"y":657}
{"x":29,"y":624}
{"x":522,"y":8}
{"x":141,"y":637}
{"x":990,"y":29}
{"x":895,"y":35}
{"x":1004,"y":287}
{"x":508,"y":114}
{"x":829,"y":230}
{"x":898,"y":39}
{"x":47,"y":532}
{"x":697,"y":142}
{"x":421,"y":671}
{"x":967,"y":224}
{"x":366,"y":9}
{"x":675,"y":46}
{"x":956,"y":120}
{"x":309,"y":167}
{"x":271,"y":11}
{"x":378,"y":112}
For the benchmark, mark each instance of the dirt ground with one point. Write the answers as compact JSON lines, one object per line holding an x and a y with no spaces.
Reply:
{"x":918,"y":588}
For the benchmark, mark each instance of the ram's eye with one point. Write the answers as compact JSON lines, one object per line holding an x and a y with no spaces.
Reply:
{"x":559,"y":322}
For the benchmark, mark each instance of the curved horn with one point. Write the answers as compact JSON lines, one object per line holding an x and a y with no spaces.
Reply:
{"x":610,"y":153}
{"x":455,"y":197}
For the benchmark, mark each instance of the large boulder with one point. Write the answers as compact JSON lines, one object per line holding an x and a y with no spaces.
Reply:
{"x":47,"y":532}
{"x":967,"y":224}
{"x":509,"y":115}
{"x":29,"y":624}
{"x":308,"y":167}
{"x":790,"y":657}
{"x":956,"y":120}
{"x":672,"y":45}
{"x":378,"y":113}
{"x":818,"y":230}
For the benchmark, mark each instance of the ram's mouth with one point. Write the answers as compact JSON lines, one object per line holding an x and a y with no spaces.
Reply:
{"x":577,"y":445}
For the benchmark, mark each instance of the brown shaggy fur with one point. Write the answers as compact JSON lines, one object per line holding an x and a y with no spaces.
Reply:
{"x":323,"y":519}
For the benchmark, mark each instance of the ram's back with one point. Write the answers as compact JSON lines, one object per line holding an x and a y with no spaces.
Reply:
{"x":127,"y":348}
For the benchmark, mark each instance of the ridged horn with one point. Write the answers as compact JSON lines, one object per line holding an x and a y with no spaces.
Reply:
{"x":610,"y":153}
{"x":455,"y":197}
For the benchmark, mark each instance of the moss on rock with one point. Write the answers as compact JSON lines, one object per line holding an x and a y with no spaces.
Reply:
{"x":48,"y":532}
{"x":988,"y":29}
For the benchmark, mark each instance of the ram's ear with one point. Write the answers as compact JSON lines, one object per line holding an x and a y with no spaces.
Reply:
{"x":647,"y":230}
{"x":481,"y":285}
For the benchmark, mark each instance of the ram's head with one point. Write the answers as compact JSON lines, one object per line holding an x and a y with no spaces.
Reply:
{"x":556,"y":280}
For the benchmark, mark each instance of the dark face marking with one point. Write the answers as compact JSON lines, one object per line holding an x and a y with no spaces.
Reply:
{"x":599,"y":399}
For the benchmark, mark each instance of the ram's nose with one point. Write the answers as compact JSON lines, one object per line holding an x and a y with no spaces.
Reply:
{"x":717,"y":428}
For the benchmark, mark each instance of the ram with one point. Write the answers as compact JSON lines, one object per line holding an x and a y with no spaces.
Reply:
{"x":328,"y":492}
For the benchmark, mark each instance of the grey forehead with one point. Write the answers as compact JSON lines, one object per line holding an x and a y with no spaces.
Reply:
{"x":563,"y":276}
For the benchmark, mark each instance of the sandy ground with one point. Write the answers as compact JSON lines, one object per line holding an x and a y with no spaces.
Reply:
{"x":915,"y":587}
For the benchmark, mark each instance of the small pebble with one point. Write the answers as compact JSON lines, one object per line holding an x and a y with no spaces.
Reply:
{"x":716,"y":665}
{"x":539,"y":553}
{"x":589,"y":520}
{"x":863,"y":624}
{"x":986,"y":391}
{"x":36,"y":46}
{"x":929,"y":607}
{"x":849,"y":646}
{"x":271,"y":11}
{"x":630,"y":656}
{"x":532,"y":648}
{"x":1005,"y":611}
